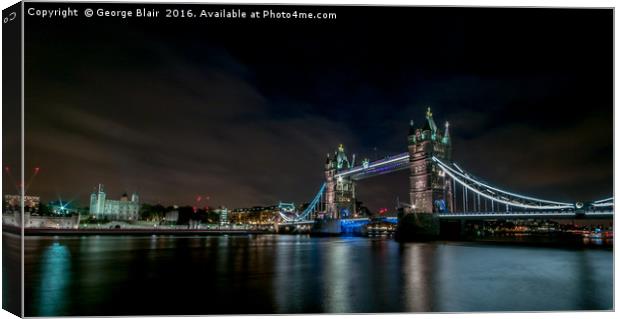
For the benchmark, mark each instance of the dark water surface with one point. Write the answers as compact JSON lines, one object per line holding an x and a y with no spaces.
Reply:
{"x":125,"y":275}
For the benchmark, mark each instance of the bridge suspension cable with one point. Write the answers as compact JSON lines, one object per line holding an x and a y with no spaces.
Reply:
{"x":610,"y":199}
{"x":487,"y":191}
{"x":607,"y":202}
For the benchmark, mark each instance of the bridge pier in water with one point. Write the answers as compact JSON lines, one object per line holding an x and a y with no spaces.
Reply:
{"x":452,"y":229}
{"x":327,"y":227}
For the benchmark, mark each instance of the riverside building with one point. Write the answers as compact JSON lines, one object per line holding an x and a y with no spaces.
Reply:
{"x":123,"y":209}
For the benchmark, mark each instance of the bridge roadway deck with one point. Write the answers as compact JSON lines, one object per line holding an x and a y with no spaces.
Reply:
{"x":528,"y":215}
{"x":499,"y":215}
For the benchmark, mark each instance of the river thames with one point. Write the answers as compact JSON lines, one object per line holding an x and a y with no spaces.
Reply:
{"x":287,"y":274}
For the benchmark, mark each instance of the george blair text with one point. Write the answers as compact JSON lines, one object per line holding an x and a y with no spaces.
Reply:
{"x":147,"y":13}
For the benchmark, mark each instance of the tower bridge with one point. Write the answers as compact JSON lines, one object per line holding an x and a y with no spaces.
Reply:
{"x":438,"y":187}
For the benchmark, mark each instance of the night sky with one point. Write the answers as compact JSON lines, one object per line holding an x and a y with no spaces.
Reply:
{"x":245,"y":111}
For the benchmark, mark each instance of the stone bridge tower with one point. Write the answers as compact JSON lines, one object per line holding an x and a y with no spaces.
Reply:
{"x":429,"y":190}
{"x":339,"y":191}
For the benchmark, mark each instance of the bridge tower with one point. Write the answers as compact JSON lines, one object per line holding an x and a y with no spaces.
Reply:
{"x":430,"y":191}
{"x":339,"y":191}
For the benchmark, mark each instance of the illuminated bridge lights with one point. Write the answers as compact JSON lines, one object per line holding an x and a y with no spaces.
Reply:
{"x":532,"y":203}
{"x":610,"y":199}
{"x":603,"y":204}
{"x":467,"y":177}
{"x":399,"y":159}
{"x":353,"y":220}
{"x":311,"y":208}
{"x":571,"y":214}
{"x":387,"y":168}
{"x":517,"y":200}
{"x":527,"y":206}
{"x":287,"y":207}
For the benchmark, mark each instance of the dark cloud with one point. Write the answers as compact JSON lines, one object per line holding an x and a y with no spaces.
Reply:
{"x":569,"y":163}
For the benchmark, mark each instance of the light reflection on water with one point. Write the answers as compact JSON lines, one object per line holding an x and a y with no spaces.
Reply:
{"x":417,"y":274}
{"x":338,"y":276}
{"x":55,"y":275}
{"x":124,"y":275}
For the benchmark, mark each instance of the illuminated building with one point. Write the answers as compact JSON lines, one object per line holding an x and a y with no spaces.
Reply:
{"x":254,"y":215}
{"x":12,"y":203}
{"x":223,"y":212}
{"x":172,"y":216}
{"x":123,"y":209}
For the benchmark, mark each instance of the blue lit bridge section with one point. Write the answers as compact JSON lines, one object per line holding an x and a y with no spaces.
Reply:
{"x":290,"y":215}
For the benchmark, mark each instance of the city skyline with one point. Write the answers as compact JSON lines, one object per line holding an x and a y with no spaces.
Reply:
{"x":178,"y":110}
